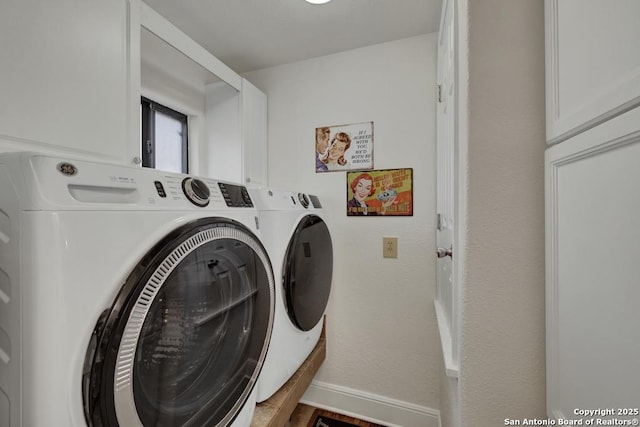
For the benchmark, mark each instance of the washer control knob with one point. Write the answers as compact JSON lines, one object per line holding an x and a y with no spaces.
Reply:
{"x":304,"y":200}
{"x":197,"y":191}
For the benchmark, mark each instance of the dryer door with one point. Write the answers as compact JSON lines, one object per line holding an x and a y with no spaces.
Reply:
{"x":185,"y":339}
{"x":307,"y":272}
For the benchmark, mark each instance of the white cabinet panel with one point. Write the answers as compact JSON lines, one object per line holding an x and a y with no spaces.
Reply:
{"x":237,"y":133}
{"x":593,"y":248}
{"x":65,"y":75}
{"x":224,"y":140}
{"x":254,"y":134}
{"x":592,"y":63}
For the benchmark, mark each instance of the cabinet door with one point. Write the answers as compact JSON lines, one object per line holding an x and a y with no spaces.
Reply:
{"x":254,"y":134}
{"x":236,"y":133}
{"x":592,"y":254}
{"x":66,"y":76}
{"x":592,"y":63}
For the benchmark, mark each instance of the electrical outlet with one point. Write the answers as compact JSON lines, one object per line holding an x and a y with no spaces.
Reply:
{"x":390,"y":247}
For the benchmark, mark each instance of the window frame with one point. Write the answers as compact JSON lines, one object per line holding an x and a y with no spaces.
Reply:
{"x":148,"y":137}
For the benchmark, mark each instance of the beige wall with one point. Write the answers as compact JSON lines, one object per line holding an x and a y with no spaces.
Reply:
{"x":503,"y":335}
{"x":382,"y":334}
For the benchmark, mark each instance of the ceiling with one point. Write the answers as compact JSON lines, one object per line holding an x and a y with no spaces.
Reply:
{"x":249,"y":35}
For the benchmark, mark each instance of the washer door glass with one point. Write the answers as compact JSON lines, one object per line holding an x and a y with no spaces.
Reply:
{"x":187,"y":344}
{"x":307,"y":272}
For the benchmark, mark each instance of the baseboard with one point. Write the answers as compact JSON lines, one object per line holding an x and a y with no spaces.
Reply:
{"x":369,"y":407}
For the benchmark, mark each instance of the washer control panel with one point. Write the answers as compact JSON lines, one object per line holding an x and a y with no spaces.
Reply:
{"x":66,"y":183}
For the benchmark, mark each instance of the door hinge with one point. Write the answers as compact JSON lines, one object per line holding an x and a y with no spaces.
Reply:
{"x":439,"y":93}
{"x":439,"y":219}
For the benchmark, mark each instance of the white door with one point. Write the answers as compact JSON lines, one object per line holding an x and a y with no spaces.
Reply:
{"x":593,"y":273}
{"x":446,"y":299}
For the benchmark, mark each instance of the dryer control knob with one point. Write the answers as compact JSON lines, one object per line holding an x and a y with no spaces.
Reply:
{"x":197,"y":191}
{"x":304,"y":200}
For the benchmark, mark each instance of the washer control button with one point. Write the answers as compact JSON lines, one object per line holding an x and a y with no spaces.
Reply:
{"x":304,"y":200}
{"x":197,"y":191}
{"x":160,"y":189}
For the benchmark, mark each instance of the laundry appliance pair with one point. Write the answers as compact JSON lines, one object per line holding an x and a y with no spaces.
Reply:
{"x":129,"y":297}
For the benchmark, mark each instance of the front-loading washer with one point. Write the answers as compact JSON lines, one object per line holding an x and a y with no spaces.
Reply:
{"x":128,"y":297}
{"x":297,"y":238}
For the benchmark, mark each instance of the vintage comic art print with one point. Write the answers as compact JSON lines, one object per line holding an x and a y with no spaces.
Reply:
{"x":387,"y":192}
{"x":344,"y":147}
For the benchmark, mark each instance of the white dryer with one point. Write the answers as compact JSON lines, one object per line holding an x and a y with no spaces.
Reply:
{"x":128,"y":297}
{"x":298,"y":241}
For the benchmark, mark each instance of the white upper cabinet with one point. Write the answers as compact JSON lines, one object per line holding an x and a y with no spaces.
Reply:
{"x":66,"y":77}
{"x":592,"y":63}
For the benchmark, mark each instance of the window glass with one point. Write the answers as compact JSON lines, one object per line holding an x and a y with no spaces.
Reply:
{"x":163,"y":137}
{"x":168,"y":147}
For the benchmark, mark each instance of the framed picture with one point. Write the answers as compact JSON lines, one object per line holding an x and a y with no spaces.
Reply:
{"x":344,"y":147}
{"x":387,"y":192}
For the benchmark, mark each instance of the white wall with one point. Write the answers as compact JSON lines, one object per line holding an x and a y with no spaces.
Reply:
{"x":502,"y":371}
{"x":382,"y":334}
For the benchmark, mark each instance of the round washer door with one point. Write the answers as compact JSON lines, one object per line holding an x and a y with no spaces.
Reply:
{"x":185,"y":339}
{"x":308,"y":268}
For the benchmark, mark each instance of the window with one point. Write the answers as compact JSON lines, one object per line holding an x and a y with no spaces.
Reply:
{"x":164,"y":137}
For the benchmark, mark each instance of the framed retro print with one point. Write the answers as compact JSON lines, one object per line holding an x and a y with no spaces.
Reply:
{"x":384,"y":192}
{"x":344,"y":147}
